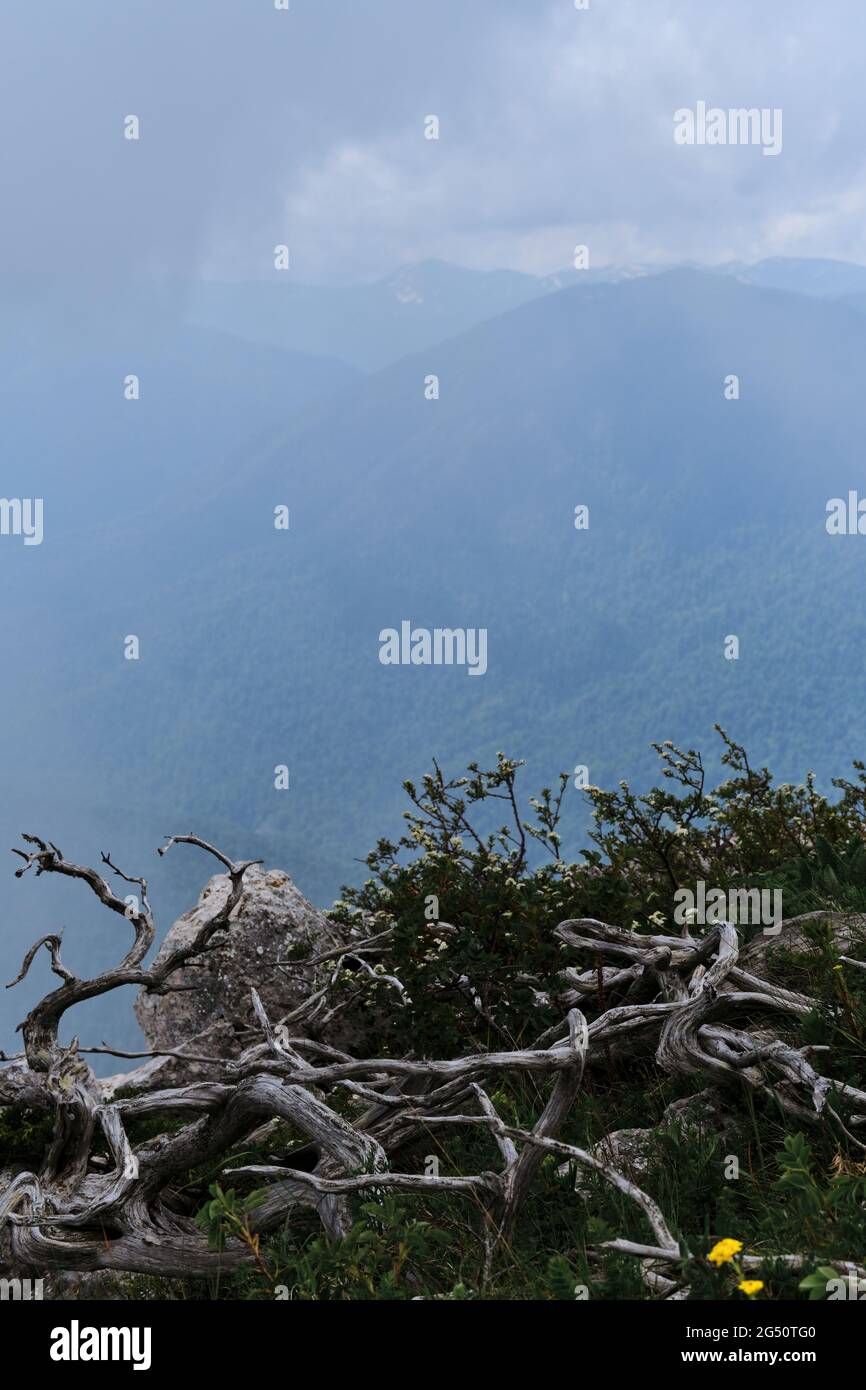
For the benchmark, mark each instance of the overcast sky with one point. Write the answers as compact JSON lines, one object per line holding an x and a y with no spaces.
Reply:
{"x":307,"y":127}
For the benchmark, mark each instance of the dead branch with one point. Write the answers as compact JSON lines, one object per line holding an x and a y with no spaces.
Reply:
{"x":685,"y":1002}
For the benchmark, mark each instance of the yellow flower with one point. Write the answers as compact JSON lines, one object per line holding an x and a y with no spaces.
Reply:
{"x":750,"y":1286}
{"x":724,"y":1251}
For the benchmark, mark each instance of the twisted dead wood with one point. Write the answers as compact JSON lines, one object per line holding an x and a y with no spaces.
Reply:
{"x":684,"y":1001}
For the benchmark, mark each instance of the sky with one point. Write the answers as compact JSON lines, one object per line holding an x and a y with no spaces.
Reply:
{"x":305,"y":127}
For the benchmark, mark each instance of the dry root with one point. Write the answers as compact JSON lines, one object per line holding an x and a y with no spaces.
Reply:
{"x":686,"y":1002}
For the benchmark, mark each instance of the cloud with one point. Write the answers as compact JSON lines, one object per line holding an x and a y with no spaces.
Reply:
{"x":261,"y":126}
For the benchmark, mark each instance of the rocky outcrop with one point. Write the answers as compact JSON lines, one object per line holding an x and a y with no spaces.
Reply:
{"x":633,"y":1152}
{"x":758,"y":955}
{"x":211,"y":1013}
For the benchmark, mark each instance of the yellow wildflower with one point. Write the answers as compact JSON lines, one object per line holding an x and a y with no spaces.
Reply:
{"x":751,"y":1286}
{"x":724,"y":1251}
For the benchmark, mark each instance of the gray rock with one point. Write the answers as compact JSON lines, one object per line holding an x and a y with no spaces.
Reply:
{"x":757,"y":956}
{"x":699,"y":1115}
{"x":216,"y":1017}
{"x":627,"y":1150}
{"x":632,"y":1151}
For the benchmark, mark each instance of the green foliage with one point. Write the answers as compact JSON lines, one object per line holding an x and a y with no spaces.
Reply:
{"x":24,"y":1133}
{"x":815,"y":1284}
{"x":478,"y":975}
{"x":829,"y":1213}
{"x":473,"y":967}
{"x":830,"y":878}
{"x":227,"y":1215}
{"x":472,"y":899}
{"x":470,"y":895}
{"x":380,"y":1258}
{"x":560,"y":1278}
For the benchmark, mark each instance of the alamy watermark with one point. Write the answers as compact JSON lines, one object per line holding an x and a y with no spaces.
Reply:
{"x":710,"y":907}
{"x":22,"y":1290}
{"x":77,"y":1343}
{"x":736,"y":125}
{"x":439,"y":646}
{"x":846,"y":516}
{"x":22,"y":516}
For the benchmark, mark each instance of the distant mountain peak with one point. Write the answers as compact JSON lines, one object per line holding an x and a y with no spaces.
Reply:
{"x":405,"y":288}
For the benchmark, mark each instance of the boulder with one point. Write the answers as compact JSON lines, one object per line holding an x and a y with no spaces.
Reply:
{"x":757,"y":956}
{"x":215,"y":1018}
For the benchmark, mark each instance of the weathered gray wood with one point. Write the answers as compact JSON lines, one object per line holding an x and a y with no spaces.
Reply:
{"x":688,"y":1003}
